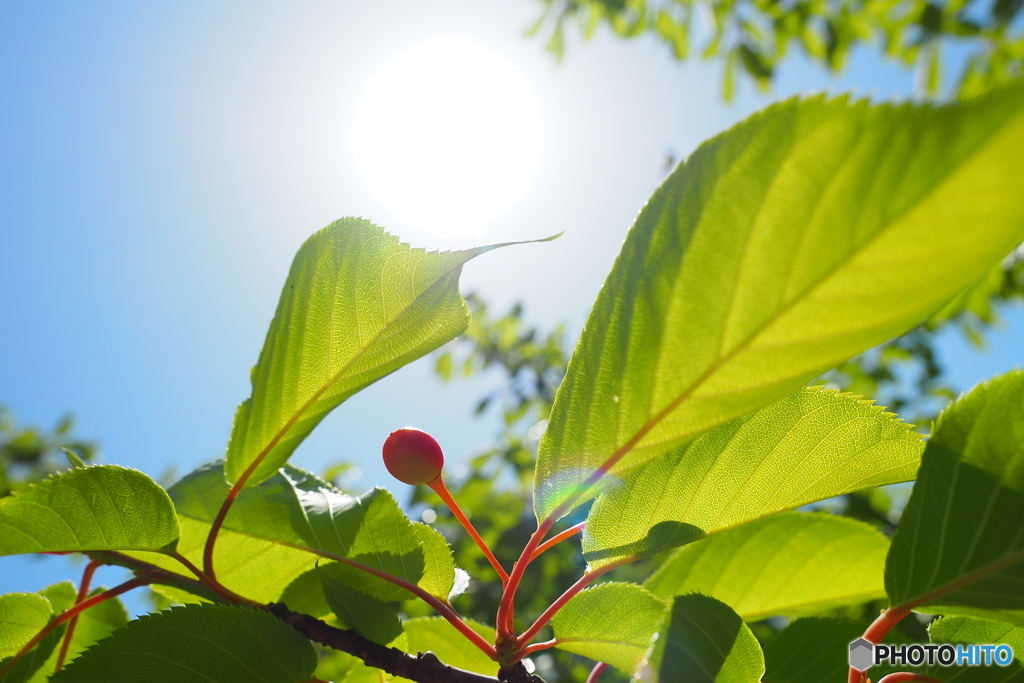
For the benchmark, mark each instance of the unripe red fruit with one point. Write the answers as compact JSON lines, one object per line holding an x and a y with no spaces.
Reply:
{"x":412,"y":456}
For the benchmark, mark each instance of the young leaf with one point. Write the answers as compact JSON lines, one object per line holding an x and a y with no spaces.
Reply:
{"x":362,"y":613}
{"x":357,"y":305}
{"x":613,"y":623}
{"x":779,"y":249}
{"x":960,"y":542}
{"x":22,"y":616}
{"x":435,"y":634}
{"x":790,"y":563}
{"x":298,"y":511}
{"x":706,"y":642}
{"x":103,"y":507}
{"x":964,"y":630}
{"x":811,"y":445}
{"x":197,"y":642}
{"x":812,"y":650}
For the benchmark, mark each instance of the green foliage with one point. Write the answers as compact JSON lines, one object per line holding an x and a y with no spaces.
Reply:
{"x":790,"y":563}
{"x":197,"y":643}
{"x":28,"y":454}
{"x":434,"y":634}
{"x":811,"y":212}
{"x":614,"y":623}
{"x":93,"y":625}
{"x":957,"y":630}
{"x":105,"y":507}
{"x":811,"y":650}
{"x":297,"y":511}
{"x":961,"y":541}
{"x":360,"y":612}
{"x":809,"y":446}
{"x":22,"y":615}
{"x":758,"y":35}
{"x":368,"y":305}
{"x":707,"y":642}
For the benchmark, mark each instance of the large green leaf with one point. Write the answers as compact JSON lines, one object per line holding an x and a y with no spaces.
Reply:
{"x":812,"y":231}
{"x":197,"y":644}
{"x":22,"y":616}
{"x":357,"y":305}
{"x":615,"y":623}
{"x":790,"y":563}
{"x":960,"y":542}
{"x":812,"y":650}
{"x":963,"y":630}
{"x":300,"y":512}
{"x":704,"y":641}
{"x":104,"y":507}
{"x":811,"y":445}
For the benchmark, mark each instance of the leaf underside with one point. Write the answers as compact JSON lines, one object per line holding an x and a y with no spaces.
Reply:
{"x":357,"y":305}
{"x":960,"y":542}
{"x":791,"y":563}
{"x":811,"y":445}
{"x":778,"y":250}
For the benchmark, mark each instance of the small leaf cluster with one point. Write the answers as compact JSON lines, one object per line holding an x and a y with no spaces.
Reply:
{"x":752,"y":37}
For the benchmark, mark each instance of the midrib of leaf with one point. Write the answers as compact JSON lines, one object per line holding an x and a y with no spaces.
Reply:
{"x":334,"y":379}
{"x":602,"y":641}
{"x":626,"y":448}
{"x":977,"y":575}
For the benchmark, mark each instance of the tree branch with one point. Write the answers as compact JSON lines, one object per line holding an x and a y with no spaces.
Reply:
{"x":423,"y":668}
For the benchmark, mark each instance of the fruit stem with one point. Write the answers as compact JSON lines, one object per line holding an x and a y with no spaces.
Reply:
{"x":83,"y":593}
{"x":558,"y":538}
{"x":588,"y":578}
{"x":596,"y":672}
{"x":506,"y":608}
{"x":71,"y":614}
{"x":441,"y":490}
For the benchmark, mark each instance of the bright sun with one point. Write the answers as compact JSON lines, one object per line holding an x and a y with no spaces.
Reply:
{"x":448,"y":135}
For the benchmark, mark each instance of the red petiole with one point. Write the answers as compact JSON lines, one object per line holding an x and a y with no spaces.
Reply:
{"x":72,"y":613}
{"x":83,"y":593}
{"x":907,"y":677}
{"x":558,"y":538}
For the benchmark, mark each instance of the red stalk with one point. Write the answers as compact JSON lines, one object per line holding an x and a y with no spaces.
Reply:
{"x":558,"y":538}
{"x":83,"y":593}
{"x":907,"y":677}
{"x":72,"y":613}
{"x":441,"y":490}
{"x":596,"y":672}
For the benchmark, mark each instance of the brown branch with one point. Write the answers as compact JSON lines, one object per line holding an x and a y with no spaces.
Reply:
{"x":423,"y":668}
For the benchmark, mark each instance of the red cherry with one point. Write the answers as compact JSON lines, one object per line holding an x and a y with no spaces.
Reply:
{"x":412,"y":456}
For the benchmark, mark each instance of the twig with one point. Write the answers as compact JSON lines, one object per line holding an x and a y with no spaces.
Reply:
{"x":423,"y":668}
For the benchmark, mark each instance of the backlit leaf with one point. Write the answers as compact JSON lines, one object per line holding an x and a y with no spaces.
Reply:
{"x":197,"y":643}
{"x":360,"y":612}
{"x":790,"y":563}
{"x":22,"y":616}
{"x":960,"y":542}
{"x":613,"y":623}
{"x":964,"y":630}
{"x":706,"y":642}
{"x":435,"y":634}
{"x":779,"y":249}
{"x":104,"y":507}
{"x":812,"y":650}
{"x":811,"y":445}
{"x":357,"y":305}
{"x":300,"y":512}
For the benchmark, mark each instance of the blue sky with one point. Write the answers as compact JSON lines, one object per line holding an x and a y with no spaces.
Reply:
{"x":161,"y":162}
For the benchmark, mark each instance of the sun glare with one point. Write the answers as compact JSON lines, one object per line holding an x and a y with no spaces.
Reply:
{"x":448,"y":136}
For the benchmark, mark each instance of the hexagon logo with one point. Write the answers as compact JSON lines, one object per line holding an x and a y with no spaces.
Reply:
{"x":862,"y":654}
